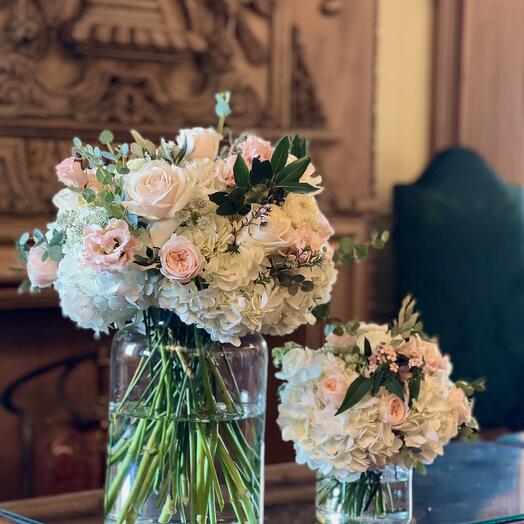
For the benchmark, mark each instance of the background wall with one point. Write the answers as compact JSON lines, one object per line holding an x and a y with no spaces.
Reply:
{"x":403,"y":94}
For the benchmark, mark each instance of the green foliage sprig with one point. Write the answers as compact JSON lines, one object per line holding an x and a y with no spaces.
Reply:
{"x":267,"y":181}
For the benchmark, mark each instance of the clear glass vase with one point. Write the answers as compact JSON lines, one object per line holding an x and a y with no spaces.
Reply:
{"x":382,"y":496}
{"x":186,"y":434}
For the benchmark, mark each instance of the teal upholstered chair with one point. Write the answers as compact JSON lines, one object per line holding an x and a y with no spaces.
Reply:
{"x":459,"y":247}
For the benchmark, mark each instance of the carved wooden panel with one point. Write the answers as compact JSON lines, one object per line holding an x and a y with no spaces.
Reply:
{"x":72,"y":67}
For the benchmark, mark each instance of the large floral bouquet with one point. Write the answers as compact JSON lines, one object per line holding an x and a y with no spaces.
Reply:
{"x":225,"y":233}
{"x":196,"y":242}
{"x":372,"y":396}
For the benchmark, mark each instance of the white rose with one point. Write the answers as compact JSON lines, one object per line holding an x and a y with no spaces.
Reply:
{"x":304,"y":209}
{"x":270,"y":229}
{"x":157,"y":190}
{"x":66,"y":200}
{"x":310,"y":176}
{"x":200,"y":142}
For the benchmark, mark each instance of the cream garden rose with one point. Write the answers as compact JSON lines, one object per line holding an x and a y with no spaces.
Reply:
{"x":200,"y":142}
{"x":394,"y":410}
{"x":332,"y":389}
{"x":41,"y":273}
{"x":180,"y":259}
{"x":270,"y":229}
{"x":157,"y":190}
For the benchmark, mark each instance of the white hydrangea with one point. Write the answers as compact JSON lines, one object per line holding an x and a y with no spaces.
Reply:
{"x":100,"y":300}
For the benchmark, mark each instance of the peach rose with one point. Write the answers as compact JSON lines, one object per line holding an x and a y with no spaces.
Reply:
{"x":110,"y":248}
{"x":70,"y":173}
{"x":157,"y":190}
{"x":200,"y":142}
{"x":254,"y":147}
{"x":41,"y":273}
{"x":460,"y":405}
{"x":180,"y":259}
{"x":332,"y":389}
{"x":394,"y":410}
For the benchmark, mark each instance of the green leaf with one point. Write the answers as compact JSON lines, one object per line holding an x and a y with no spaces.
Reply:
{"x":117,"y":211}
{"x":280,"y":154}
{"x":227,"y":208}
{"x":298,"y":187}
{"x":361,"y":252}
{"x":77,"y":142}
{"x":414,"y":385}
{"x":23,"y":239}
{"x":356,"y":391}
{"x":55,"y":253}
{"x":241,"y":172}
{"x":307,"y":286}
{"x":378,"y":379}
{"x":393,"y":385}
{"x":260,"y":171}
{"x":222,"y":108}
{"x":367,"y":348}
{"x":321,"y":312}
{"x":219,"y":197}
{"x":88,"y":195}
{"x":292,"y":172}
{"x":346,"y":244}
{"x":257,"y":194}
{"x":106,"y":137}
{"x":299,"y":146}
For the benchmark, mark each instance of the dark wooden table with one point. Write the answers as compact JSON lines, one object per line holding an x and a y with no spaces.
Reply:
{"x":472,"y":482}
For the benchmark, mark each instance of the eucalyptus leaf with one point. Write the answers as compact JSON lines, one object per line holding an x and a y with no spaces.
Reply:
{"x":106,"y":137}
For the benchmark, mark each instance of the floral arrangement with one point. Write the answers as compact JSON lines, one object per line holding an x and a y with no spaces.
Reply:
{"x":372,"y":396}
{"x":224,"y":232}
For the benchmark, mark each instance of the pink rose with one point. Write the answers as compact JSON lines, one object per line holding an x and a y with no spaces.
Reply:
{"x":433,"y":358}
{"x":332,"y":389}
{"x":302,"y":236}
{"x":41,"y":273}
{"x":460,"y":405}
{"x":110,"y":248}
{"x":394,"y":410}
{"x":70,"y":173}
{"x":180,"y":259}
{"x":253,"y":147}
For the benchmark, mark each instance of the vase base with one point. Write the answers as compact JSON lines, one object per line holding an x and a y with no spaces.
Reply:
{"x":401,"y":517}
{"x":174,"y":521}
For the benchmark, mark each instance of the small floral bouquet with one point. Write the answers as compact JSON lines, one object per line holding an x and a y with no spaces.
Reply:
{"x":367,"y":407}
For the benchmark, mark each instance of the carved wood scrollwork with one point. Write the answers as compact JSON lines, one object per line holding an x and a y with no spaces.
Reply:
{"x":73,"y":66}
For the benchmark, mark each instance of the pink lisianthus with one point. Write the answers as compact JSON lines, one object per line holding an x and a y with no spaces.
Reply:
{"x":302,"y":236}
{"x":41,"y":273}
{"x":70,"y":173}
{"x":227,"y":175}
{"x":253,"y":147}
{"x":180,"y":259}
{"x":110,"y":248}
